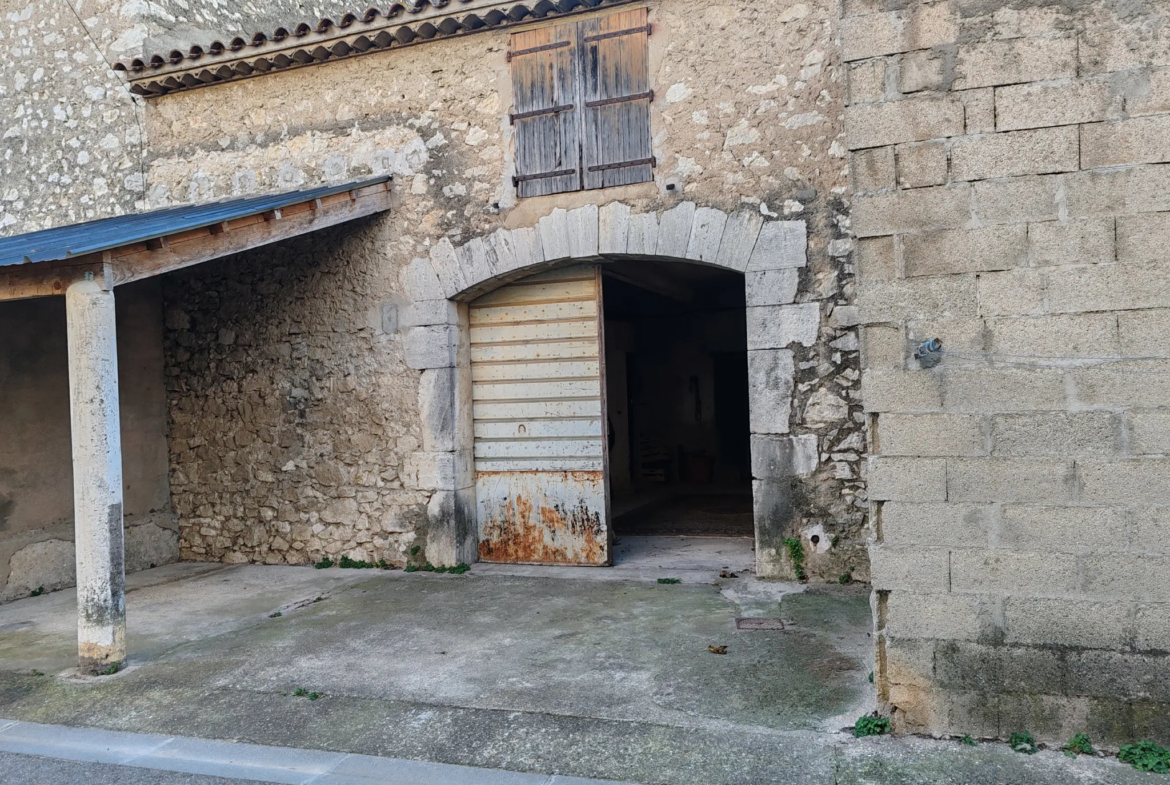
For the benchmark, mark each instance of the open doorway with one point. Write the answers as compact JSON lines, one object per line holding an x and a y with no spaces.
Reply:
{"x":677,"y":400}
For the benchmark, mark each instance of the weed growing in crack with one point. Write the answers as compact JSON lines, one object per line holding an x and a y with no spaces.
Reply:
{"x":301,"y":692}
{"x":1146,"y":756}
{"x":796,"y":553}
{"x":1078,"y":745}
{"x":458,"y":569}
{"x":347,"y":563}
{"x":111,"y":669}
{"x":670,"y":580}
{"x":275,"y":615}
{"x":37,"y":592}
{"x":324,"y":564}
{"x":871,"y":725}
{"x":970,"y":742}
{"x":1023,"y":742}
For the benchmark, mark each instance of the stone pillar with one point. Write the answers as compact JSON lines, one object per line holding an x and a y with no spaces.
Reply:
{"x":97,"y":474}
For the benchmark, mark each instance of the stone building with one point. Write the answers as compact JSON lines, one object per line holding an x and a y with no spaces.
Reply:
{"x":448,"y":281}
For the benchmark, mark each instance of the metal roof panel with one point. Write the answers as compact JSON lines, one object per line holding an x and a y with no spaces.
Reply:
{"x":65,"y":242}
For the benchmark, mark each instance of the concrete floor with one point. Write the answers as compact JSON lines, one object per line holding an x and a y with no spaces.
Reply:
{"x":586,"y":672}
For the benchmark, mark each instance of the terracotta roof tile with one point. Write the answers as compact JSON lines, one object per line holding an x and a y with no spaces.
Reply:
{"x":376,"y":29}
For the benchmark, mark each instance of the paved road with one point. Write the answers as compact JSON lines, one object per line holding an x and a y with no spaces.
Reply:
{"x":34,"y":770}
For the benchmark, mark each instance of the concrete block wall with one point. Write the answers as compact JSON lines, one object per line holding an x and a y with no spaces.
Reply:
{"x":1011,"y":174}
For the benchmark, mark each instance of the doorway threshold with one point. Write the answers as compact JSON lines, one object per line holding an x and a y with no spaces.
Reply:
{"x":689,"y":559}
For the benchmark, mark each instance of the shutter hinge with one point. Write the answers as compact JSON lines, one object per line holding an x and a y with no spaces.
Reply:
{"x":512,"y":118}
{"x":617,"y":34}
{"x":535,"y":49}
{"x":651,"y":161}
{"x":521,"y":178}
{"x":621,"y":99}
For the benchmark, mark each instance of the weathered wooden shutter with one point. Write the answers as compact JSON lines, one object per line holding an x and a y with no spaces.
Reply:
{"x":538,"y":409}
{"x":545,"y":111}
{"x":617,"y":98}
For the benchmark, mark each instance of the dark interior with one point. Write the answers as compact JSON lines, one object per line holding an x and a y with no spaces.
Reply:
{"x":676,"y":382}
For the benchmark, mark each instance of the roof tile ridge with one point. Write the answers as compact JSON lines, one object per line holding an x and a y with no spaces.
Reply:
{"x":280,"y":33}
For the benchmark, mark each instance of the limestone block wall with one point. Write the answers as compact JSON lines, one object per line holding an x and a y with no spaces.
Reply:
{"x":747,"y":116}
{"x":1011,"y":185}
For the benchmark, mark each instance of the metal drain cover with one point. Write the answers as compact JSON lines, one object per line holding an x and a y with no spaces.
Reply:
{"x":759,"y":624}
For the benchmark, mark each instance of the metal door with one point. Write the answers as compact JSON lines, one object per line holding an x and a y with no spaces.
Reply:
{"x":538,"y":405}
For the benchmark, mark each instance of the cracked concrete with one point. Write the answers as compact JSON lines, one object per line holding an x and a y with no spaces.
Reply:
{"x":579,"y":676}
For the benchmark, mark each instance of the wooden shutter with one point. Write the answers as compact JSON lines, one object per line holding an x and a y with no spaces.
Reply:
{"x":545,"y":110}
{"x":538,"y":405}
{"x":617,"y":98}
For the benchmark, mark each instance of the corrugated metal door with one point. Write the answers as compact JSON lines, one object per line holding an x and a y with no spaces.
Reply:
{"x":537,"y":390}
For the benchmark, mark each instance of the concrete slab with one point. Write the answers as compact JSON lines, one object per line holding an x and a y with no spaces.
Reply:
{"x":39,"y":633}
{"x":564,"y":675}
{"x":559,"y":674}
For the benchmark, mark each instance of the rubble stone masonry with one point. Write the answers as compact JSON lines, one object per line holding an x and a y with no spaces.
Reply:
{"x":296,"y":426}
{"x":1011,"y":169}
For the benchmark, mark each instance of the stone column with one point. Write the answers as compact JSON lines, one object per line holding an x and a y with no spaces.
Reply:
{"x":97,"y":474}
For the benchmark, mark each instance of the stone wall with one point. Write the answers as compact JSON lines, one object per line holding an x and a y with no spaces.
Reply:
{"x":290,"y":407}
{"x":36,"y":468}
{"x":759,"y":129}
{"x":71,"y":142}
{"x":1008,"y":166}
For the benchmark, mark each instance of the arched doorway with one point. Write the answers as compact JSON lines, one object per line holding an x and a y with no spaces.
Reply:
{"x":767,"y":255}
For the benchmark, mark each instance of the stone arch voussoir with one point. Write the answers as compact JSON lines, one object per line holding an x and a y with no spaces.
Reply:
{"x":742,"y":241}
